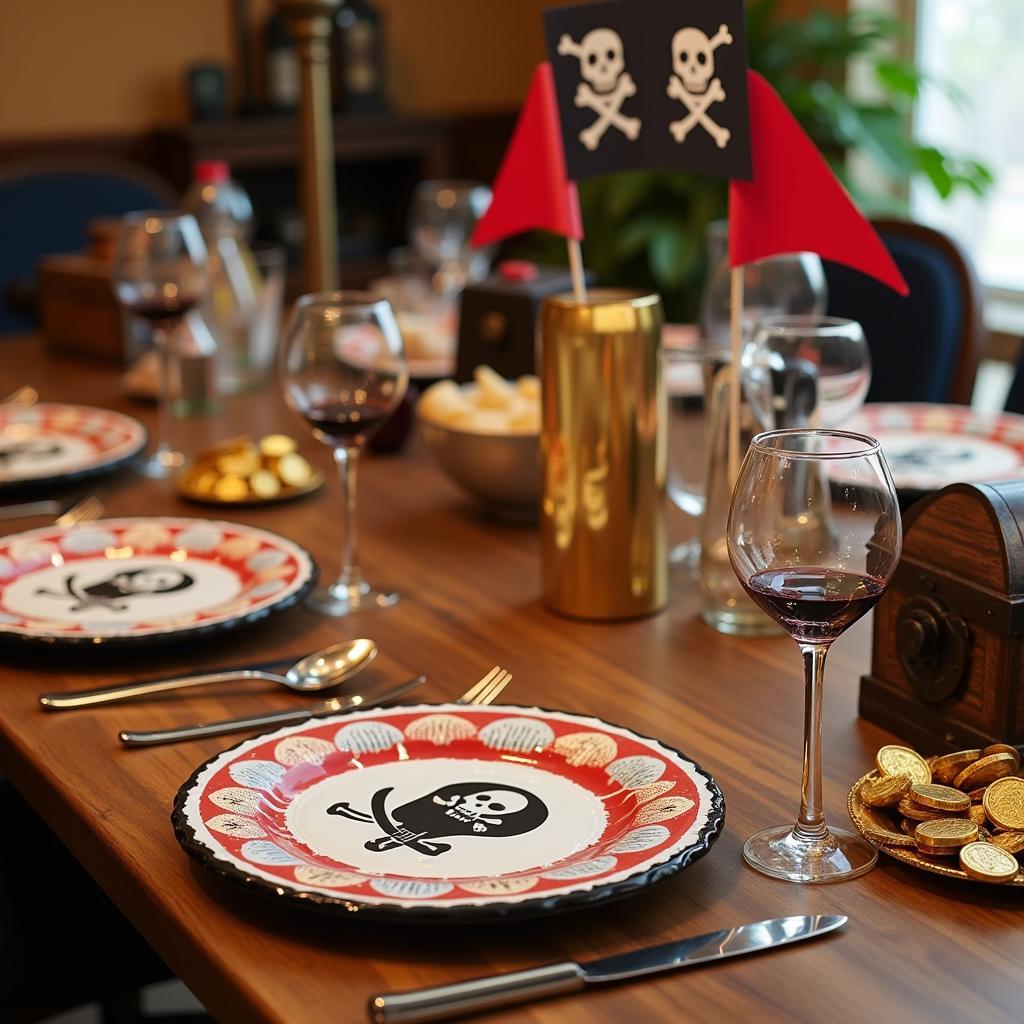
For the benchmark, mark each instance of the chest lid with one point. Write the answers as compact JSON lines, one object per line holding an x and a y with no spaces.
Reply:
{"x":968,"y":540}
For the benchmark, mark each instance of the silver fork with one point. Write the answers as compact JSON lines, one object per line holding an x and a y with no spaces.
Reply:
{"x":85,"y":511}
{"x":488,"y":689}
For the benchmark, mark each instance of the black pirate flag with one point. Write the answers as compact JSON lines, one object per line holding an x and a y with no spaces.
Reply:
{"x":652,"y":83}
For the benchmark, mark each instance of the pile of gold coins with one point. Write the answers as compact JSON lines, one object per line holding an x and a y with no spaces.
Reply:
{"x":968,"y":805}
{"x":243,"y":470}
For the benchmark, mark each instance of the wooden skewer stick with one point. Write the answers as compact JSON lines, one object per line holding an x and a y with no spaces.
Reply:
{"x":736,"y":338}
{"x":579,"y":282}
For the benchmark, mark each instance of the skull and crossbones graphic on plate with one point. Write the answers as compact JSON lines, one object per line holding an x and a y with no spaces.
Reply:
{"x":606,"y":83}
{"x":487,"y":809}
{"x":693,"y":82}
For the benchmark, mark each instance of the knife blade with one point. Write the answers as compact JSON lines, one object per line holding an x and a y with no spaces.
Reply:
{"x":466,"y":997}
{"x":333,"y":706}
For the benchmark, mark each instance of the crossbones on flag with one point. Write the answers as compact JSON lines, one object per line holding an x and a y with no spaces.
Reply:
{"x":652,"y":83}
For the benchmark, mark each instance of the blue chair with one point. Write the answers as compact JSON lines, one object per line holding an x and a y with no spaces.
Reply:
{"x":926,"y":347}
{"x":45,"y":208}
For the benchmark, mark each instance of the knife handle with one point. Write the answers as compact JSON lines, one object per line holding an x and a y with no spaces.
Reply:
{"x":195,"y":732}
{"x":465,"y":997}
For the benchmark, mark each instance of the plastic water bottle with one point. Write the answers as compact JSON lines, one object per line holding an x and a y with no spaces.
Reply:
{"x":224,"y":212}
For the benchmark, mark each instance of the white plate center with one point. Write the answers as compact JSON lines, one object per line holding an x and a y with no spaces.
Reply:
{"x":120,"y":592}
{"x":447,"y":818}
{"x":25,"y":454}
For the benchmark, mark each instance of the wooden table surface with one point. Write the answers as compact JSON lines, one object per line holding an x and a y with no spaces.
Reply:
{"x":917,"y":947}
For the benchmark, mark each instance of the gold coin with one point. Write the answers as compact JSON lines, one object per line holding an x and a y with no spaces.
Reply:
{"x":916,"y":812}
{"x":202,"y":481}
{"x":984,"y":771}
{"x":294,"y":470}
{"x":231,"y":488}
{"x":243,"y":463}
{"x":896,"y":760}
{"x":976,"y":813}
{"x":885,"y":791}
{"x":977,"y":795}
{"x":908,"y":826}
{"x":940,"y":798}
{"x":264,"y":484}
{"x":946,"y":834}
{"x":274,"y":446}
{"x":1004,"y":803}
{"x":987,"y":863}
{"x":1004,"y":748}
{"x":947,"y":767}
{"x":877,"y":827}
{"x":1011,"y":842}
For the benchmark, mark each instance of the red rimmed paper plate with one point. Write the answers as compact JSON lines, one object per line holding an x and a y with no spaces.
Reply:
{"x":930,"y":446}
{"x":118,"y":581}
{"x":440,"y":811}
{"x":47,"y":443}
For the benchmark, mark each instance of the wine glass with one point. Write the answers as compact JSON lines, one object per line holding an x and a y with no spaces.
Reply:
{"x":792,"y":283}
{"x":806,"y":370}
{"x":344,"y":371}
{"x":441,"y":221}
{"x":816,"y":551}
{"x":160,"y":273}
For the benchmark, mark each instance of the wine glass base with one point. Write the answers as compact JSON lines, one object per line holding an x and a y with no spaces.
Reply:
{"x":161,"y":464}
{"x":779,"y":852}
{"x":347,"y":599}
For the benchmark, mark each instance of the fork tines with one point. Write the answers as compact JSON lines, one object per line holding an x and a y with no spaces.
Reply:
{"x":485,"y":691}
{"x":88,"y":509}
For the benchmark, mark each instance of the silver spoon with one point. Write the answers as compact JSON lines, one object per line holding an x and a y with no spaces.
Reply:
{"x":319,"y":671}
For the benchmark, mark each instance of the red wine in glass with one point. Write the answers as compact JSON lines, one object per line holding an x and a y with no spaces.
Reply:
{"x":155,"y":307}
{"x":814,"y":604}
{"x":347,"y":423}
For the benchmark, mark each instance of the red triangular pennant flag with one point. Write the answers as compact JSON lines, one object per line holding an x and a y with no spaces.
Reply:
{"x":794,"y":202}
{"x":531,"y":190}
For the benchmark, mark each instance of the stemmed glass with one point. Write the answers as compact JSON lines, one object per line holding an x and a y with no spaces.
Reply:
{"x":806,"y":370}
{"x":816,"y":551}
{"x":441,"y":221}
{"x":344,"y":371}
{"x":160,"y":273}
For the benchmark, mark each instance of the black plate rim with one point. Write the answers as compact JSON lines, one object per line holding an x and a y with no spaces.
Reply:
{"x":599,"y":894}
{"x":8,"y":637}
{"x":40,"y":482}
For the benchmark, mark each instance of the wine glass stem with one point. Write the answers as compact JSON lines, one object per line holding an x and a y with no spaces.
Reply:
{"x":162,"y":340}
{"x":347,"y":460}
{"x":811,"y":823}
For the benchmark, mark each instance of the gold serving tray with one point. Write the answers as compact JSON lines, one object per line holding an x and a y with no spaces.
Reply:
{"x":206,"y":498}
{"x":908,"y":854}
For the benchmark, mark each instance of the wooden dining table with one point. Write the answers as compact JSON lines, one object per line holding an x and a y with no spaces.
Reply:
{"x":916,"y":948}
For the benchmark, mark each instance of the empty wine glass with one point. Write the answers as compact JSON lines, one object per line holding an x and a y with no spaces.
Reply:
{"x":441,"y":221}
{"x":790,"y":284}
{"x":809,"y":370}
{"x":159,"y":275}
{"x":816,"y":551}
{"x":344,"y":372}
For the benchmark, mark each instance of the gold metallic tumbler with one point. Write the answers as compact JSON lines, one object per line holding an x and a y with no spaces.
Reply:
{"x":603,"y":450}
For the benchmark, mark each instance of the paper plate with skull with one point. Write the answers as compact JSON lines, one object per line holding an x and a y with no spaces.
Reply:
{"x":48,"y":442}
{"x":118,"y":581}
{"x":434,"y":811}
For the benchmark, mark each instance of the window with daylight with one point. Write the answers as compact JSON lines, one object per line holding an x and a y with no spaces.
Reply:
{"x":976,"y":45}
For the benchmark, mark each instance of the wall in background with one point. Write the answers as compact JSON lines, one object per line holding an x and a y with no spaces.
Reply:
{"x":116,"y":66}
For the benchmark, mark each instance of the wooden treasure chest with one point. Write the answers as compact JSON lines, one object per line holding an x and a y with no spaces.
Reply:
{"x":948,"y":648}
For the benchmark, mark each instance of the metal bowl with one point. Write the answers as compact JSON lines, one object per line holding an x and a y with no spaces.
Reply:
{"x":501,"y":470}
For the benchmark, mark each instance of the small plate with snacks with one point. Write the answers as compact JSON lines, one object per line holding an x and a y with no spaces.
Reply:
{"x":486,"y":436}
{"x":246,"y":472}
{"x":960,"y":815}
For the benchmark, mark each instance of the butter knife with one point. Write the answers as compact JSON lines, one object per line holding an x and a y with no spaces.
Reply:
{"x":334,"y":706}
{"x":479,"y":994}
